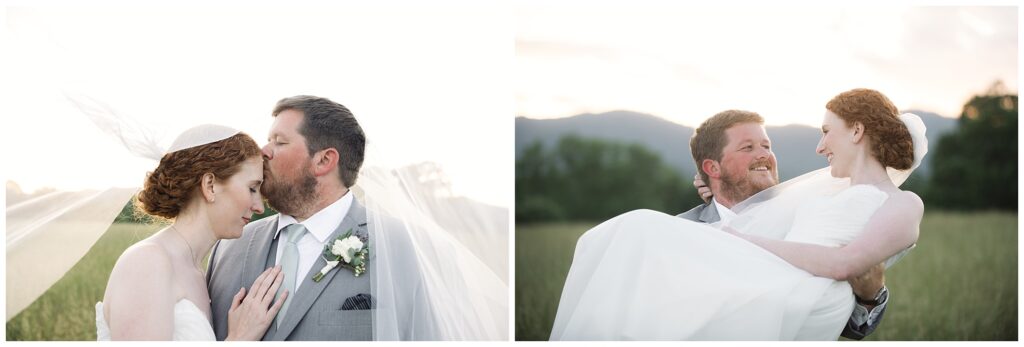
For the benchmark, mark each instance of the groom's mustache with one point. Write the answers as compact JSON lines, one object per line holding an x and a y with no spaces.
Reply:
{"x":761,"y":163}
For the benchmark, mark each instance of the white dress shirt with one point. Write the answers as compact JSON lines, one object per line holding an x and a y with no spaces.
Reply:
{"x":862,"y":316}
{"x":320,"y":225}
{"x":724,"y":213}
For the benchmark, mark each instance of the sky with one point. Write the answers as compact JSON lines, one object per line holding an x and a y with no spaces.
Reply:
{"x":440,"y":83}
{"x":425,"y":83}
{"x":685,"y":64}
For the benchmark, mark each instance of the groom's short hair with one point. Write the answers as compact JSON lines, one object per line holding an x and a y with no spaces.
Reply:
{"x":709,"y":139}
{"x":327,"y":124}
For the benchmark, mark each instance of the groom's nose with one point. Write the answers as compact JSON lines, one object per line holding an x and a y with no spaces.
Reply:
{"x":267,"y":154}
{"x":763,"y":153}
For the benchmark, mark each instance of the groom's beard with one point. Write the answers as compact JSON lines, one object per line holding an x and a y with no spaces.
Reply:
{"x":739,"y":186}
{"x":293,"y":197}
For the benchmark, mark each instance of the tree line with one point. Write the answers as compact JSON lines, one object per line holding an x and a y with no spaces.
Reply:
{"x":973,"y":168}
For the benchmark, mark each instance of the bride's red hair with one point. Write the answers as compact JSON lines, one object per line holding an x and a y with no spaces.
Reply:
{"x":169,"y":187}
{"x":891,"y":143}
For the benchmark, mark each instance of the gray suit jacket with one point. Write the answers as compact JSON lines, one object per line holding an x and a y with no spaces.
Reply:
{"x":315,"y":312}
{"x":708,"y":213}
{"x":704,"y":213}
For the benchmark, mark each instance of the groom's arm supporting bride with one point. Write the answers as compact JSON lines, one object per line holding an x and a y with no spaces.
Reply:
{"x":744,"y":165}
{"x":869,"y":288}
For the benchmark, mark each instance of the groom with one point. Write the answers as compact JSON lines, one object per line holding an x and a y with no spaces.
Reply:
{"x":733,"y":154}
{"x":313,"y":157}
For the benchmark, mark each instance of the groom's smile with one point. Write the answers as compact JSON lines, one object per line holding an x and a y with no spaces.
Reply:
{"x":748,"y":164}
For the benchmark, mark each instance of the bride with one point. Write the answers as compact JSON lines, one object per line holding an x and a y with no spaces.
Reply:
{"x":157,"y":289}
{"x":449,"y":250}
{"x":645,"y":275}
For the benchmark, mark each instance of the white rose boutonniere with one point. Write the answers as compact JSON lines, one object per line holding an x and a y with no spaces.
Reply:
{"x":346,"y":250}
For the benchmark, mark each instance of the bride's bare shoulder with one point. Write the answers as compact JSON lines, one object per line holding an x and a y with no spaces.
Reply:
{"x":145,"y":261}
{"x":908,"y":201}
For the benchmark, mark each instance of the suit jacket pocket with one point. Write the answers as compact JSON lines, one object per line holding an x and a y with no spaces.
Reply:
{"x":351,"y":318}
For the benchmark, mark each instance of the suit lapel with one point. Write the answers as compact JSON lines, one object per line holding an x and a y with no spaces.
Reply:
{"x":710,"y":213}
{"x":310,"y":290}
{"x":257,"y":252}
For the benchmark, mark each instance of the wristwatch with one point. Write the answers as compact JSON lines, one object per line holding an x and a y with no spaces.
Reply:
{"x":879,"y":298}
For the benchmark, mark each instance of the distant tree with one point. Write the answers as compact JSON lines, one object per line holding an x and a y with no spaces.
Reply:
{"x":589,"y":179}
{"x":536,"y":178}
{"x":916,"y":183}
{"x":267,"y":212}
{"x":975,"y":167}
{"x":15,"y":195}
{"x":131,"y":213}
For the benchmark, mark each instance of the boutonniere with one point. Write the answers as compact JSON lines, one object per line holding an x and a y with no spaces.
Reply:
{"x":346,"y":250}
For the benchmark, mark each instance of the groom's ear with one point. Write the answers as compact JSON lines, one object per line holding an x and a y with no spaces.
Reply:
{"x":325,"y":161}
{"x":712,"y":168}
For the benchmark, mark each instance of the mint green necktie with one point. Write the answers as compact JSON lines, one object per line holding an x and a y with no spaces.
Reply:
{"x":289,"y":265}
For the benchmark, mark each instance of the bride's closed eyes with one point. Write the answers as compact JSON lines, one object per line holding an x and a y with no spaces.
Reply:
{"x":254,"y":186}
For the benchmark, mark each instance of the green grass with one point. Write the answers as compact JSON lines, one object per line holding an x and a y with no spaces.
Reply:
{"x":67,"y":310}
{"x":960,"y":283}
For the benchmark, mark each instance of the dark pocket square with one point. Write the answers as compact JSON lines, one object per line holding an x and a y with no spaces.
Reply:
{"x":358,"y":302}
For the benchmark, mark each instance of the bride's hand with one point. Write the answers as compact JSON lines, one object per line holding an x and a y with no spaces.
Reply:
{"x":702,"y":188}
{"x":249,"y":316}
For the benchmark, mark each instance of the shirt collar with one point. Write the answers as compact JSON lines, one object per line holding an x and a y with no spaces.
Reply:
{"x":724,"y":213}
{"x":322,"y":223}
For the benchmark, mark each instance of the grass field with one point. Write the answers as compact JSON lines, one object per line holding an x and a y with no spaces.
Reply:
{"x":67,"y":310}
{"x":960,"y":283}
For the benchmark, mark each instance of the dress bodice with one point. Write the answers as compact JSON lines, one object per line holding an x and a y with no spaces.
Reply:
{"x":190,"y":323}
{"x":836,"y":220}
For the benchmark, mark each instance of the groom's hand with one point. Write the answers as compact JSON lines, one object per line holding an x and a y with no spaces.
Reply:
{"x":702,"y":188}
{"x":869,"y":283}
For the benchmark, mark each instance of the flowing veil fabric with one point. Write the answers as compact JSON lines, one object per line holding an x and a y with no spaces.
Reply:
{"x":770,"y":212}
{"x":452,"y":251}
{"x":48,"y":234}
{"x":451,"y":248}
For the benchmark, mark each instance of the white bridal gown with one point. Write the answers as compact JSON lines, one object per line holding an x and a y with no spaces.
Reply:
{"x":645,"y":275}
{"x":190,"y":323}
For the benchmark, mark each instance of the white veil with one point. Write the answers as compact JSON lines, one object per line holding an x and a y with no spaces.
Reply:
{"x":770,"y":213}
{"x":453,"y":248}
{"x":457,"y":249}
{"x":48,"y":234}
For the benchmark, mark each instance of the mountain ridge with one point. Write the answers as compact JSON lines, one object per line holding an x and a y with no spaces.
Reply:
{"x":793,"y":144}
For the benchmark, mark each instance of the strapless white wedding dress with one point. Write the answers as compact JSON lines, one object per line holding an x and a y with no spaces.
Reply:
{"x":190,"y":323}
{"x":645,"y":275}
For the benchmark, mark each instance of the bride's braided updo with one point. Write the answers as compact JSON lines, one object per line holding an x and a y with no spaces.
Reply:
{"x":891,"y":143}
{"x":176,"y":179}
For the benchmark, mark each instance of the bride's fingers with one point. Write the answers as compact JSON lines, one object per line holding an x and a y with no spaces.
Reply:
{"x":267,"y":281}
{"x":277,"y":305}
{"x":273,"y":289}
{"x":254,"y":290}
{"x":238,"y":299}
{"x":258,"y":282}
